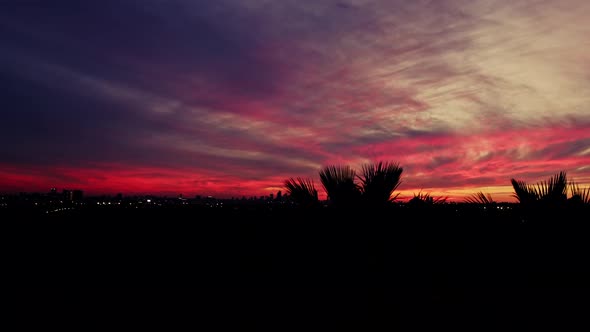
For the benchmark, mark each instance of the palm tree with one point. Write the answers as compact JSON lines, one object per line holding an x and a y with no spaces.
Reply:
{"x":551,"y":192}
{"x":483,"y":202}
{"x":338,"y":182}
{"x":523,"y":192}
{"x":302,"y":191}
{"x":422,"y":199}
{"x":480,"y":198}
{"x":379,"y":181}
{"x":579,"y":195}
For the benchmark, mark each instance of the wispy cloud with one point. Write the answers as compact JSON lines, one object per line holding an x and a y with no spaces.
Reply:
{"x":465,"y":94}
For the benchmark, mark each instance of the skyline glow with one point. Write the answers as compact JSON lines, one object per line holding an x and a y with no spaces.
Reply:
{"x":232,"y":97}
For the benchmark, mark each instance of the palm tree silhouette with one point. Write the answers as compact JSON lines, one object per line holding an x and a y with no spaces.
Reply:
{"x":480,"y":198}
{"x":579,"y":196}
{"x":547,"y":193}
{"x":302,"y":191}
{"x":425,"y":199}
{"x":340,"y":187}
{"x":378,"y":181}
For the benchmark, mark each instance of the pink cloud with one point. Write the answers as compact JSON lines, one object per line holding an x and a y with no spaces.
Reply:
{"x":450,"y":89}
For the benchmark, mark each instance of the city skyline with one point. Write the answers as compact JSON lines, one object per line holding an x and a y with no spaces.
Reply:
{"x":230,"y":98}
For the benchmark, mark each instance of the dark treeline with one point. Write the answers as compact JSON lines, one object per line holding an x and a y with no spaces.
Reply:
{"x":412,"y":266}
{"x":375,"y":185}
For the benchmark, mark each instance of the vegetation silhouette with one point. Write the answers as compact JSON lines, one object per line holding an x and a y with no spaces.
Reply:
{"x":551,"y":192}
{"x":302,"y":191}
{"x":455,"y":258}
{"x":340,"y":186}
{"x":378,"y":181}
{"x":374,"y":187}
{"x":480,"y":198}
{"x":579,"y":196}
{"x":547,"y":200}
{"x":426,"y":199}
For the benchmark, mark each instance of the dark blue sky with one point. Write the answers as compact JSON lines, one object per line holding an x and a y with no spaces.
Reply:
{"x":232,"y":97}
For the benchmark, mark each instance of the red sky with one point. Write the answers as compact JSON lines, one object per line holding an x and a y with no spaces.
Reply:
{"x":231,"y":98}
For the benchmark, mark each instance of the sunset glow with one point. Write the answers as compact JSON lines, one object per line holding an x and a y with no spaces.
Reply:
{"x":229,"y":98}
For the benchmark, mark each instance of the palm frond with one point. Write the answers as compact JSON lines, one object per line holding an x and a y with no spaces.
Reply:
{"x":427,"y":198}
{"x":480,"y":198}
{"x":338,"y":182}
{"x":551,"y":191}
{"x":302,"y":191}
{"x":523,"y":192}
{"x":440,"y":199}
{"x":379,"y":181}
{"x":579,"y":193}
{"x":554,"y":189}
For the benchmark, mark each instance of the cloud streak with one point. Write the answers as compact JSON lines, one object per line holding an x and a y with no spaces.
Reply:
{"x":233,"y":97}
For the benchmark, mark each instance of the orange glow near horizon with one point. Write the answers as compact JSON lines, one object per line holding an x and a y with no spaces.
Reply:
{"x":174,"y":183}
{"x":464,"y":95}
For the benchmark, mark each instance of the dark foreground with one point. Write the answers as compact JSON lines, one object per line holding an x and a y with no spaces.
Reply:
{"x":288,"y":269}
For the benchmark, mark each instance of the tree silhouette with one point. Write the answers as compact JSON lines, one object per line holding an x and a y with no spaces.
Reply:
{"x":338,"y":182}
{"x":579,"y":196}
{"x":480,"y":198}
{"x":378,"y":182}
{"x":302,"y":191}
{"x":425,"y":199}
{"x":547,"y":193}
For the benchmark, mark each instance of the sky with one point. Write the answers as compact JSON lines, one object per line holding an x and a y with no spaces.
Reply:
{"x":229,"y":98}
